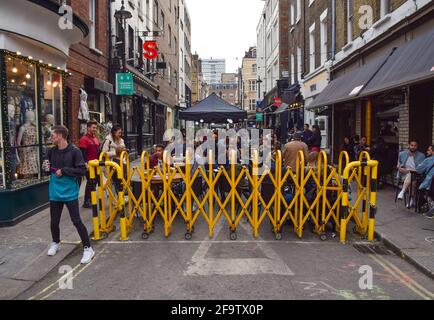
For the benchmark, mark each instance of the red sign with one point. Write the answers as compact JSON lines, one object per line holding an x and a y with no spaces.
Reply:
{"x":150,"y":50}
{"x":277,"y":102}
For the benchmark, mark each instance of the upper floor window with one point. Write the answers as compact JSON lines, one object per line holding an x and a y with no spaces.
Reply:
{"x":92,"y":23}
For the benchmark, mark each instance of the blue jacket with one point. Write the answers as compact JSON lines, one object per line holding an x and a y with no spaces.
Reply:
{"x":426,"y":168}
{"x":70,"y":162}
{"x":419,"y":157}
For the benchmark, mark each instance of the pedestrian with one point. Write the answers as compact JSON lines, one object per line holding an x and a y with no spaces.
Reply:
{"x":426,"y":168}
{"x":307,"y":133}
{"x":408,"y":161}
{"x":114,"y":144}
{"x":314,"y":142}
{"x":360,"y":147}
{"x":348,"y":146}
{"x":89,"y":146}
{"x":291,"y":150}
{"x":66,"y":164}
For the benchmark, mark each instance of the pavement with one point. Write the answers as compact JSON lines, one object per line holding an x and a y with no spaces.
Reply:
{"x":408,"y":234}
{"x":218,"y":268}
{"x":23,"y":250}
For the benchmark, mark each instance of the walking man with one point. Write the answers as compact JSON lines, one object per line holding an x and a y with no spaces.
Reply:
{"x":65,"y":162}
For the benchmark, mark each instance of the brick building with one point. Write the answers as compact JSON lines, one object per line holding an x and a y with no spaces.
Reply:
{"x":89,"y":64}
{"x":381,"y":85}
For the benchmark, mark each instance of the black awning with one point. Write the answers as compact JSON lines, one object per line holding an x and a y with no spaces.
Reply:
{"x":350,"y":85}
{"x":213,"y":109}
{"x":98,"y":84}
{"x":412,"y":62}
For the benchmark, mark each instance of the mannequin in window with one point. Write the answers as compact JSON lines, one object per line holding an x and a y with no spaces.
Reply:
{"x":83,"y":113}
{"x":27,"y":136}
{"x":15,"y":160}
{"x":47,"y":128}
{"x":26,"y":104}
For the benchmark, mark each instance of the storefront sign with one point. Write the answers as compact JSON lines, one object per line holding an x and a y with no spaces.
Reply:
{"x":124,"y":84}
{"x":150,"y":50}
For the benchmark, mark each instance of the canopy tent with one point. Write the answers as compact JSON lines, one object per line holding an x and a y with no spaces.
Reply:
{"x":213,"y":109}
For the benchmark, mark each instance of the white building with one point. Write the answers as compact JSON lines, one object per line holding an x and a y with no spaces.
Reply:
{"x":212,"y":70}
{"x":268,"y":46}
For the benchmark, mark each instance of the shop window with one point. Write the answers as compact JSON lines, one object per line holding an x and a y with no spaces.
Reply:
{"x":34,"y":107}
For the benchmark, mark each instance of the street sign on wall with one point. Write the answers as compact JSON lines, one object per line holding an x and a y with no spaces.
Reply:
{"x":124,"y":84}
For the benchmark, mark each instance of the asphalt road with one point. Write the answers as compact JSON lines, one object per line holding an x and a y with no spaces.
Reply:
{"x":218,"y":268}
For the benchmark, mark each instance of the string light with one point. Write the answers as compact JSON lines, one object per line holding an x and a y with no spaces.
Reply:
{"x":28,"y":74}
{"x":18,"y":53}
{"x":14,"y":69}
{"x":55,"y":84}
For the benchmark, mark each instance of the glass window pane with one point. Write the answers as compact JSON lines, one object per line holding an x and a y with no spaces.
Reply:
{"x":22,"y":122}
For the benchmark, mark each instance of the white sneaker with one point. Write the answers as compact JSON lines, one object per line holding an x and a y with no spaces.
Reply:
{"x":88,"y":254}
{"x":401,"y":195}
{"x":52,"y":250}
{"x":411,"y":203}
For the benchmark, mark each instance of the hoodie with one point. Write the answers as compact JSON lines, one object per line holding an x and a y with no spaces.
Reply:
{"x":70,"y":162}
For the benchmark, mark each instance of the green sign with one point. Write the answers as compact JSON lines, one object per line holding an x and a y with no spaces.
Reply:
{"x":124,"y":84}
{"x":259,"y":117}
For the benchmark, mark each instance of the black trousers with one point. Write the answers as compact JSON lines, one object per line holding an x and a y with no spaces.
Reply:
{"x":56,"y":213}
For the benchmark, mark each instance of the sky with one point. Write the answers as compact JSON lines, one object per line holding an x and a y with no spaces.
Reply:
{"x":224,"y":29}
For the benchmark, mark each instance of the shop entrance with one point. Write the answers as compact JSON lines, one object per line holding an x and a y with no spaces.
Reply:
{"x":421,"y":114}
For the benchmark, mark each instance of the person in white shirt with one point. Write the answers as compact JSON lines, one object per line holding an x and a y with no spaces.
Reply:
{"x":114,"y":144}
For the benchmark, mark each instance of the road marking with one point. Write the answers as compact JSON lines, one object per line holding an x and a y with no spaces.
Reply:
{"x":208,"y":241}
{"x":65,"y":276}
{"x":201,"y":266}
{"x":402,"y":277}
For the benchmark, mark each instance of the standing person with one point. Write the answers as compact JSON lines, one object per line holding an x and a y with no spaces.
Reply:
{"x":291,"y":149}
{"x":348,"y":146}
{"x":408,"y":161}
{"x":307,"y":133}
{"x":89,"y":146}
{"x":379,"y":153}
{"x":66,"y":164}
{"x":114,"y":144}
{"x":314,"y":142}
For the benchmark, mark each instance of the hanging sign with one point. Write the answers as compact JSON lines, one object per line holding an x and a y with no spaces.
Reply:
{"x":150,"y":50}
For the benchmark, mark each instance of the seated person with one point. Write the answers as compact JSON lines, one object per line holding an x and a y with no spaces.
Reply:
{"x":408,"y":161}
{"x":156,"y":159}
{"x":426,"y":168}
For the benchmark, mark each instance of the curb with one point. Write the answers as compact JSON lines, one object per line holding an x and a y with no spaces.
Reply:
{"x":400,"y":253}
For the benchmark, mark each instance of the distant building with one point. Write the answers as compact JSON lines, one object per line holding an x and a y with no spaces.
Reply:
{"x":213,"y":69}
{"x":248,"y":83}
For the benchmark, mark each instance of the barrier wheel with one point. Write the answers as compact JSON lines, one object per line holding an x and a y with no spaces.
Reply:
{"x":278,"y":236}
{"x":323,"y":237}
{"x":233,"y":235}
{"x":188,"y":236}
{"x":145,"y":236}
{"x":355,"y":229}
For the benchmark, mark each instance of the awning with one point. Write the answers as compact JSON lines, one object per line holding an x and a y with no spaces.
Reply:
{"x":98,"y":84}
{"x":213,"y":109}
{"x":412,"y":62}
{"x":350,"y":85}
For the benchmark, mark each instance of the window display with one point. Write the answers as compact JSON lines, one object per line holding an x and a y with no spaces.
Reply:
{"x":29,"y":124}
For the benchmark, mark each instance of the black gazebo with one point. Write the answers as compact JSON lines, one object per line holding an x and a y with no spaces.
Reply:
{"x":213,"y":109}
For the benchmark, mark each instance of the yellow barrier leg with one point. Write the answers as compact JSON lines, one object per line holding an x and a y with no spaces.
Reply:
{"x":95,"y":220}
{"x":123,"y":220}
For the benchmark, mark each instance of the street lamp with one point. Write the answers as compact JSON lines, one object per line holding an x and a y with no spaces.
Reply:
{"x":259,"y":81}
{"x":122,"y":15}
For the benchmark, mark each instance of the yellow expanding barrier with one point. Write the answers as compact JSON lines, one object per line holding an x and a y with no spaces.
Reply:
{"x":315,"y":195}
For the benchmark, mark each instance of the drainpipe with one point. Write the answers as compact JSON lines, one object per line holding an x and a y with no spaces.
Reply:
{"x":333,"y":29}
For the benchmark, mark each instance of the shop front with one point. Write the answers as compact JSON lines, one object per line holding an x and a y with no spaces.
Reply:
{"x":32,"y":101}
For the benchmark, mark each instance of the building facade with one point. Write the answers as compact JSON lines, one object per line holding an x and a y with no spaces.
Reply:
{"x":248,"y":84}
{"x":388,"y":98}
{"x":212,"y":70}
{"x":35,"y":95}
